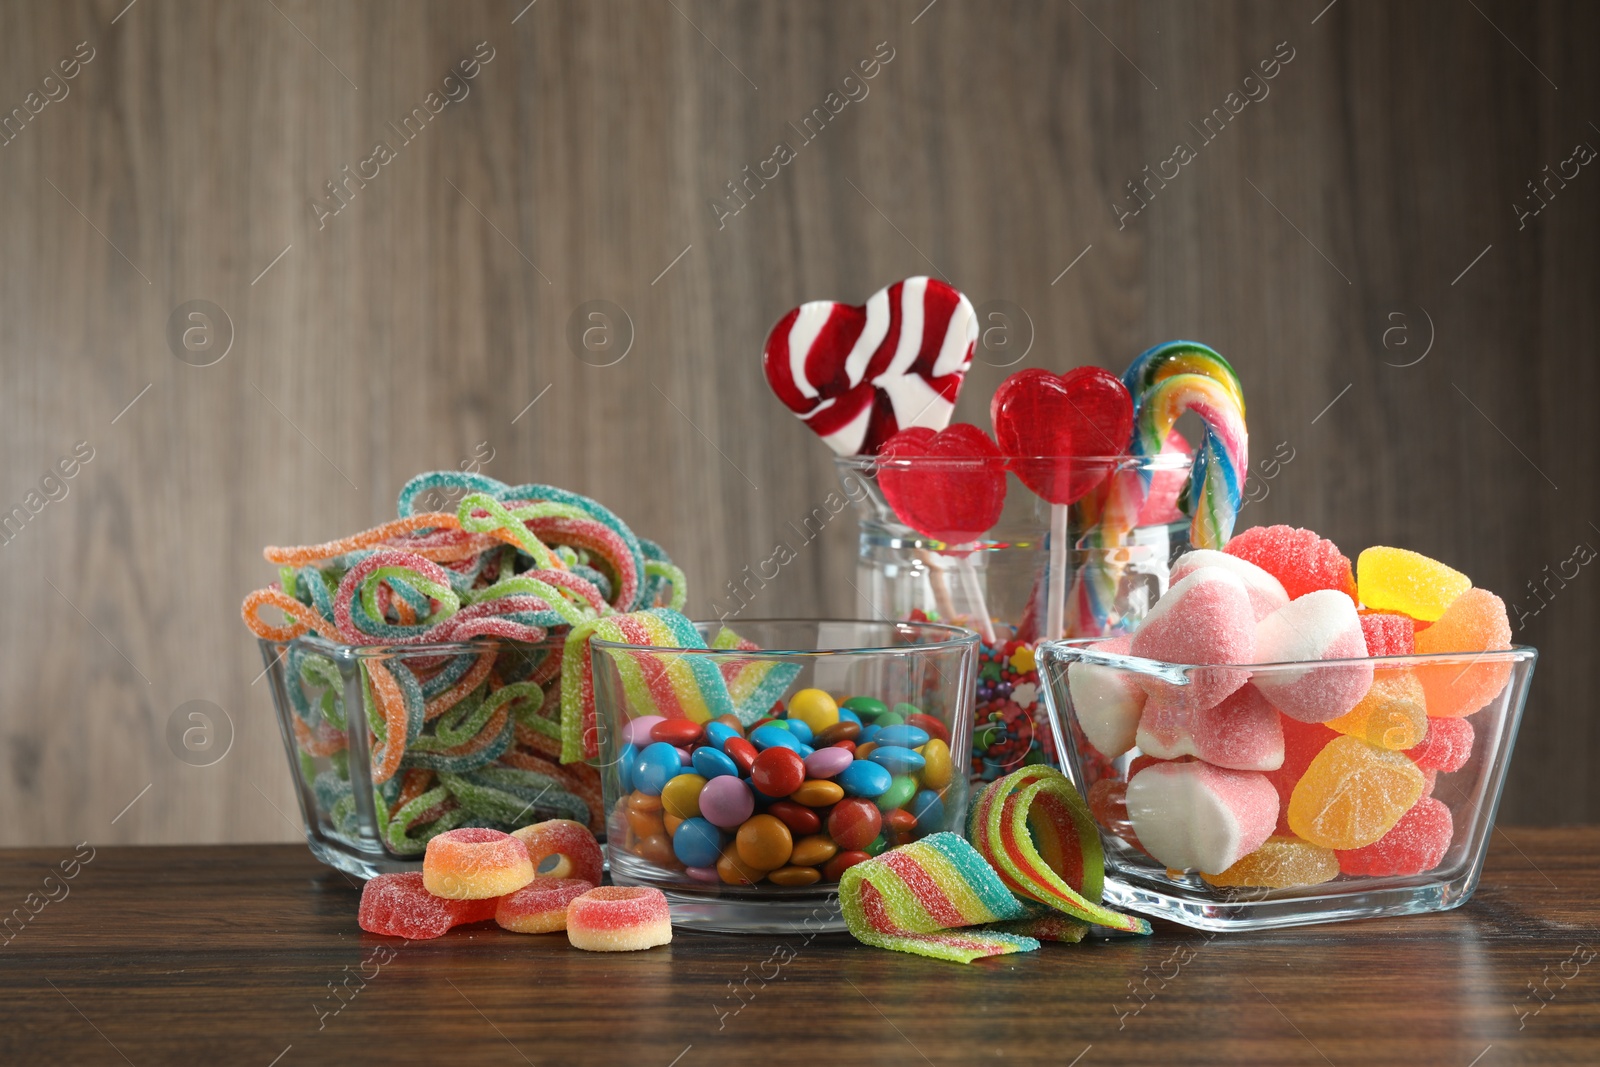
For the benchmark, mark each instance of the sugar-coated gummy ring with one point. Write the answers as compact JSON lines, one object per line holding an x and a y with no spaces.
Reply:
{"x":475,"y":863}
{"x":618,"y":918}
{"x":577,"y":848}
{"x":540,"y":907}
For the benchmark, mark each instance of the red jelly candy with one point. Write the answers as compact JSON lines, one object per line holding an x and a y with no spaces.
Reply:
{"x":680,"y":732}
{"x":1388,"y":633}
{"x":801,"y":820}
{"x":1302,"y":742}
{"x":777,"y":772}
{"x":1300,"y":559}
{"x":1416,"y":844}
{"x":854,"y":823}
{"x":742,"y":752}
{"x":1083,"y":413}
{"x":398,"y":905}
{"x":1446,"y":747}
{"x":957,"y":497}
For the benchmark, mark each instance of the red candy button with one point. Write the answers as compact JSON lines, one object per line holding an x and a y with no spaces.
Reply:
{"x":777,"y":772}
{"x":933,"y":726}
{"x":854,"y":823}
{"x":848,"y":746}
{"x":680,"y":732}
{"x":901,"y":821}
{"x":841,"y":863}
{"x":743,"y":754}
{"x":801,"y":820}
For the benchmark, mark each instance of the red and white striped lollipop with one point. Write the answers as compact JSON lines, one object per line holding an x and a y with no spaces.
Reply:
{"x":857,"y":375}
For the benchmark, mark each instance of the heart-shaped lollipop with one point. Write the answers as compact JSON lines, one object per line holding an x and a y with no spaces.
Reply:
{"x":1085,"y":412}
{"x":858,"y":374}
{"x":952,"y":485}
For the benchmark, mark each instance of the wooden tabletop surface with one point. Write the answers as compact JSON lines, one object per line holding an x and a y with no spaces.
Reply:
{"x":204,"y":955}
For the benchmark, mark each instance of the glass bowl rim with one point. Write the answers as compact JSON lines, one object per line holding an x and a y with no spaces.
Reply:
{"x":1162,"y":461}
{"x":1051,"y":652}
{"x":337,"y":650}
{"x":956,"y":637}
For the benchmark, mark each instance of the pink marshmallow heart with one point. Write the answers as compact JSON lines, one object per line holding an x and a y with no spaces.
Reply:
{"x":1106,"y":701}
{"x":1266,"y":592}
{"x":1320,"y":625}
{"x":1204,"y":619}
{"x":1193,"y":816}
{"x":1243,"y":733}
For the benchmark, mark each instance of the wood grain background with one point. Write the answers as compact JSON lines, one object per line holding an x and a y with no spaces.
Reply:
{"x":1363,"y":212}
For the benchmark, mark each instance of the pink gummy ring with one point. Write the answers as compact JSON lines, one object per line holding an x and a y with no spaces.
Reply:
{"x":619,"y":918}
{"x":540,"y":907}
{"x":572,"y":841}
{"x":475,"y":863}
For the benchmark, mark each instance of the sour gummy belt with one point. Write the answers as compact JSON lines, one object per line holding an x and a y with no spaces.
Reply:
{"x":466,"y":738}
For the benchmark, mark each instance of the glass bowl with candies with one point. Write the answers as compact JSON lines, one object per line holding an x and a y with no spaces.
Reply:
{"x":1285,"y":740}
{"x":855,"y":744}
{"x":478,"y":744}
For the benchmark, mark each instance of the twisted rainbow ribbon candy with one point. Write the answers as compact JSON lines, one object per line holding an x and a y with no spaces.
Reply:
{"x":1166,"y":382}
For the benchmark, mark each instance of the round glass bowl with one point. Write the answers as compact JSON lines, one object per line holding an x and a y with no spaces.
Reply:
{"x":481,"y":721}
{"x":1384,"y":811}
{"x":903,"y":574}
{"x":746,"y":827}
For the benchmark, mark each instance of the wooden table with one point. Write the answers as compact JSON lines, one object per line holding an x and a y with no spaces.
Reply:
{"x":232,"y":955}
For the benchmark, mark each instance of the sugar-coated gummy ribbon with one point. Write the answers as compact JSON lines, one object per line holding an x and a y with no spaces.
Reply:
{"x":927,"y":897}
{"x":1037,"y":832}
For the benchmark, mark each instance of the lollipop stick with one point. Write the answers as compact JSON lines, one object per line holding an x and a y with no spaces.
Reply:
{"x":941,"y":589}
{"x":975,"y":601}
{"x":1056,"y":610}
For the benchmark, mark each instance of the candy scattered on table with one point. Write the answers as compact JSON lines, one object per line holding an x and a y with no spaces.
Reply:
{"x":399,"y":905}
{"x":475,"y":863}
{"x":540,"y":907}
{"x":779,"y":810}
{"x":616,"y":918}
{"x":577,"y":852}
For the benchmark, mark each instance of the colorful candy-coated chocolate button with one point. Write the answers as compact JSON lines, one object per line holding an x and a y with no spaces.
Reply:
{"x":814,"y":707}
{"x":818,"y":793}
{"x":731,"y":722}
{"x":681,"y":795}
{"x":869,"y":708}
{"x":703,"y":874}
{"x":800,"y":819}
{"x":735,"y":871}
{"x":773,"y":736}
{"x":801,"y":730}
{"x":897,"y":760}
{"x":854,"y":822}
{"x":777,"y":772}
{"x":813,"y":851}
{"x":900,"y":793}
{"x":657,"y":848}
{"x":877,"y":846}
{"x":717,"y":734}
{"x":905,"y":711}
{"x":904,"y":736}
{"x":827,"y":762}
{"x":697,"y":843}
{"x":759,"y":723}
{"x":764,"y":842}
{"x":863,"y":778}
{"x":868,"y":734}
{"x":843,"y":730}
{"x":685,"y":757}
{"x":671,"y":822}
{"x":889,"y":718}
{"x":658,"y":763}
{"x":841,"y":863}
{"x":937,"y":770}
{"x":846,"y":715}
{"x":741,"y":751}
{"x":795,"y":876}
{"x":929,"y":810}
{"x":710,"y":763}
{"x":680,"y":732}
{"x":848,"y":746}
{"x":804,"y":750}
{"x":933,"y":726}
{"x":646,"y":823}
{"x":900,"y":821}
{"x":638,"y":801}
{"x":864,"y":751}
{"x":726,"y":801}
{"x":625,"y":761}
{"x":637,"y":731}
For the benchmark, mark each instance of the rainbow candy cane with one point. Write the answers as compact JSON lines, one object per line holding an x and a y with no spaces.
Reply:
{"x":1166,"y":382}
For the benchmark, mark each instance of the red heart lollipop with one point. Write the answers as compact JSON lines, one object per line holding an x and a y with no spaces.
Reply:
{"x":1082,"y":413}
{"x":857,"y":375}
{"x":954,"y":487}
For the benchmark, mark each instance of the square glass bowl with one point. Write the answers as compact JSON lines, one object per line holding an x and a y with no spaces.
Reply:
{"x":1343,"y":787}
{"x":684,"y":811}
{"x":481,"y":745}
